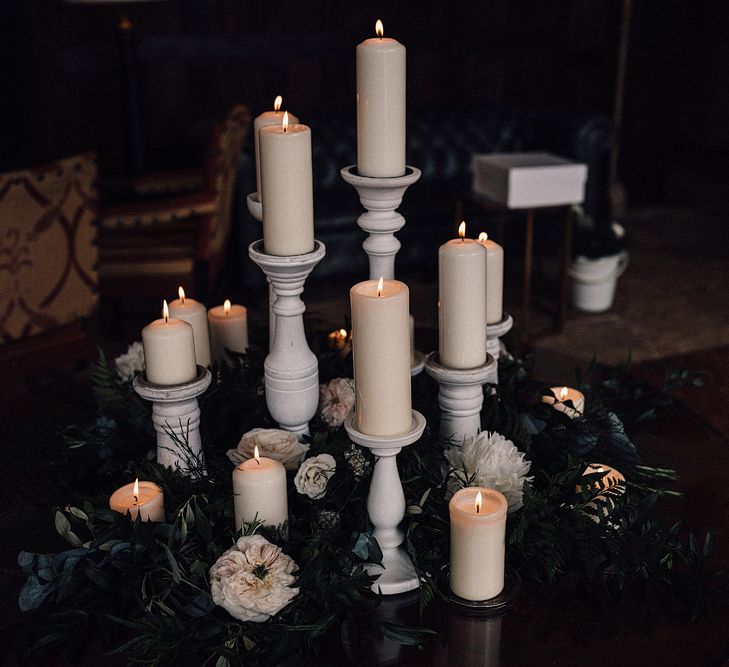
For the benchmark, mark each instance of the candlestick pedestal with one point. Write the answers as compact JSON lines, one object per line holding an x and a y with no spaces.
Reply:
{"x":494,"y":333}
{"x":460,"y":396}
{"x":176,"y":419}
{"x":386,"y":506}
{"x":291,"y":370}
{"x":381,"y":196}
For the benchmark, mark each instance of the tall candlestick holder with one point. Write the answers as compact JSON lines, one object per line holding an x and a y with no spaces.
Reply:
{"x":494,"y":333}
{"x":291,"y":370}
{"x":386,"y":505}
{"x":381,"y":196}
{"x":176,"y":419}
{"x":460,"y":396}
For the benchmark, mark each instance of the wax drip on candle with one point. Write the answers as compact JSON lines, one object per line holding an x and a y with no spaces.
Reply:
{"x":285,"y":121}
{"x":277,"y":103}
{"x":563,"y":393}
{"x":135,"y":491}
{"x":165,"y":311}
{"x":483,"y":236}
{"x":462,"y":230}
{"x":226,"y":306}
{"x":380,"y":284}
{"x":379,"y":29}
{"x":479,"y":501}
{"x":256,"y":455}
{"x":181,"y":294}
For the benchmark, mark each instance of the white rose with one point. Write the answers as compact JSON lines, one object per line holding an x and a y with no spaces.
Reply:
{"x":313,"y":475}
{"x":336,"y":401}
{"x":282,"y":446}
{"x":131,"y":362}
{"x":252,"y":581}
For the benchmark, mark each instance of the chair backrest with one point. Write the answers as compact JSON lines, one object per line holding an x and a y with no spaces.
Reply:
{"x":47,"y":246}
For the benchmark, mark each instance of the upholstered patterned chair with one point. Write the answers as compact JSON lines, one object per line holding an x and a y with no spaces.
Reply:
{"x":48,"y":281}
{"x":148,"y":248}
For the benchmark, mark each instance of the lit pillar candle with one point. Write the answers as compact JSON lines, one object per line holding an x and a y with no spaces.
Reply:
{"x":380,"y":106}
{"x":196,"y":315}
{"x":610,"y":479}
{"x":559,"y":398}
{"x":381,"y":357}
{"x":169,"y":350}
{"x":494,"y":279}
{"x":145,"y":499}
{"x":286,"y":189}
{"x":462,"y":302}
{"x":259,"y":490}
{"x":228,"y":330}
{"x":267,"y":118}
{"x":478,"y":529}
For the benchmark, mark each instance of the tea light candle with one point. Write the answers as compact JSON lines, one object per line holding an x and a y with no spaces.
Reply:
{"x":169,"y":350}
{"x":196,"y":315}
{"x":562,"y":394}
{"x":610,"y":479}
{"x":478,"y":530}
{"x":228,"y":330}
{"x":494,"y":279}
{"x":381,"y":106}
{"x":259,"y":488}
{"x":462,"y":302}
{"x":145,"y":499}
{"x":265,"y":119}
{"x":381,"y":356}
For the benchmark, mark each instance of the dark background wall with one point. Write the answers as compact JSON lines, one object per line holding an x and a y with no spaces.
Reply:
{"x":197,"y":57}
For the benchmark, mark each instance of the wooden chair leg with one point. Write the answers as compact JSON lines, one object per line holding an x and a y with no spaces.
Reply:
{"x":565,"y":276}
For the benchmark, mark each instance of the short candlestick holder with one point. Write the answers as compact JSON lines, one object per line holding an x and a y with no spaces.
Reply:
{"x":495,"y":332}
{"x":176,"y":419}
{"x":381,"y":196}
{"x":460,"y":396}
{"x":291,"y":370}
{"x":386,"y":505}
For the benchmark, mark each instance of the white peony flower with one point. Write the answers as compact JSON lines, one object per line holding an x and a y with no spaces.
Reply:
{"x":492,"y":461}
{"x":252,"y":581}
{"x":313,"y":475}
{"x":282,"y":446}
{"x":131,"y":362}
{"x":336,"y":401}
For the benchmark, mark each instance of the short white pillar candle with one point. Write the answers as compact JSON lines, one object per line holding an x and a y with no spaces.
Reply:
{"x":259,"y":492}
{"x":265,"y":119}
{"x":196,"y":315}
{"x":478,"y":530}
{"x":494,"y":279}
{"x":169,"y":350}
{"x":560,"y":396}
{"x":381,"y":106}
{"x":145,"y":499}
{"x":381,"y":357}
{"x":462,"y":302}
{"x":228,"y":330}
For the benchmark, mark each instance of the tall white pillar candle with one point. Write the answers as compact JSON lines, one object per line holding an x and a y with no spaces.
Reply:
{"x":196,"y":315}
{"x":145,"y":499}
{"x":267,"y":118}
{"x":494,"y":279}
{"x":169,"y":350}
{"x":478,"y":529}
{"x":380,"y":106}
{"x":462,"y":302}
{"x":228,"y":330}
{"x":560,"y":396}
{"x":259,"y":490}
{"x":381,"y":357}
{"x":286,"y":189}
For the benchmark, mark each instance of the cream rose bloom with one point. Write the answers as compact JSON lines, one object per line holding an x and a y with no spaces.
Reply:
{"x":252,"y":581}
{"x":131,"y":362}
{"x":274,"y":443}
{"x":313,"y":475}
{"x":336,"y":401}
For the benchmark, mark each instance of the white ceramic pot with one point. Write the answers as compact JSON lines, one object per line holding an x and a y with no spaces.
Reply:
{"x":594,"y":281}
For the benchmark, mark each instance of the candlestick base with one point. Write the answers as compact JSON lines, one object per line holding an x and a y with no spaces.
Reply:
{"x":255,"y":207}
{"x":460,"y":397}
{"x":492,"y":607}
{"x":417,"y":363}
{"x":386,"y":506}
{"x":291,"y":370}
{"x":176,"y":419}
{"x":381,"y":196}
{"x":494,"y":333}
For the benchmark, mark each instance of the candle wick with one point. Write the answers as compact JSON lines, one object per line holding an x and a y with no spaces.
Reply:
{"x":257,"y":461}
{"x":136,"y":500}
{"x":478,"y":510}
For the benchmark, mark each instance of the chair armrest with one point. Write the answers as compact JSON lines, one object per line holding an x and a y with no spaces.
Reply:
{"x":168,"y":182}
{"x":157,"y":212}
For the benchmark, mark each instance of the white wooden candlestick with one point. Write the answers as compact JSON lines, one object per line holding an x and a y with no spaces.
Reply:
{"x":255,"y":208}
{"x":291,"y":370}
{"x":460,"y":396}
{"x":494,"y":333}
{"x":386,"y":506}
{"x":381,"y":196}
{"x":176,"y":419}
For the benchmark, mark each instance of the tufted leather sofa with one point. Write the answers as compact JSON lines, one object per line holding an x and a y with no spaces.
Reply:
{"x":441,"y":146}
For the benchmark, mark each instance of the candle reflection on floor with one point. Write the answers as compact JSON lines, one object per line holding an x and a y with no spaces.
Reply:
{"x":468,"y":640}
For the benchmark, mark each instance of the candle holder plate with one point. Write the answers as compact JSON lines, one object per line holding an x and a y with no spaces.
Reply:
{"x":494,"y":606}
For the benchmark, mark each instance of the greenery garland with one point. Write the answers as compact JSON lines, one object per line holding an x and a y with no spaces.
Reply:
{"x":144,"y":587}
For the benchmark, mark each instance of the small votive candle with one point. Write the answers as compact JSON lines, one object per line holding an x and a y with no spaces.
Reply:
{"x":478,"y":532}
{"x":560,"y":396}
{"x":143,"y":499}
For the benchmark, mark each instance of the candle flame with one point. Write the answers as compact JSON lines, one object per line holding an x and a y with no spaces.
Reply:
{"x":483,"y":236}
{"x":479,"y":502}
{"x":563,"y":393}
{"x":379,"y":28}
{"x":165,"y":311}
{"x":256,"y":455}
{"x":380,"y":285}
{"x":343,"y":333}
{"x":135,"y":492}
{"x":277,"y":103}
{"x":226,"y":306}
{"x":285,"y":121}
{"x":181,"y":294}
{"x":462,"y":229}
